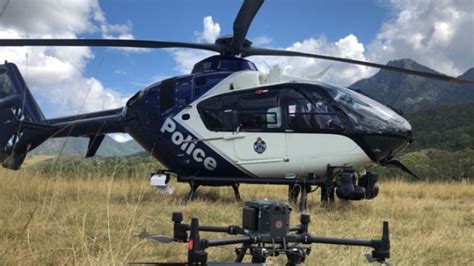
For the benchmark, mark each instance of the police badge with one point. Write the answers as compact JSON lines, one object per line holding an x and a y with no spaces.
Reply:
{"x":259,"y":146}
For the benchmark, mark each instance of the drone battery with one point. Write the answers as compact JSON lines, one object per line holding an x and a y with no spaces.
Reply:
{"x":267,"y":218}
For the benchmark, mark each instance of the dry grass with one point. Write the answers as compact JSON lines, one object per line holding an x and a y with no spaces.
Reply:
{"x":90,"y":221}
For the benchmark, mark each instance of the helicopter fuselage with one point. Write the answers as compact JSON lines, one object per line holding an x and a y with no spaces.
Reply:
{"x":233,"y":122}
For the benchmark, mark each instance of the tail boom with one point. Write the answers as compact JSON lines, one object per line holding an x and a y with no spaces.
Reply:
{"x":23,"y":126}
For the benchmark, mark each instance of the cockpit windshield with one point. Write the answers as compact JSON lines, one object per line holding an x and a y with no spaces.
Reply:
{"x":366,"y":114}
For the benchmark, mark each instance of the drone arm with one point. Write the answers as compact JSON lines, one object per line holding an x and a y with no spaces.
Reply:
{"x":381,"y":246}
{"x":232,"y":230}
{"x":228,"y":241}
{"x":308,"y":239}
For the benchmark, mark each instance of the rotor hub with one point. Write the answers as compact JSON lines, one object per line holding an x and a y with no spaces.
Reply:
{"x":225,"y":42}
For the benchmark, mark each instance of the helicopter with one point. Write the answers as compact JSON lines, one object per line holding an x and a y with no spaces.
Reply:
{"x":226,"y":123}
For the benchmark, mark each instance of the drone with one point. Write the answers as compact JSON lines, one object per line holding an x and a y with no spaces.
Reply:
{"x":265,"y":232}
{"x":226,"y":123}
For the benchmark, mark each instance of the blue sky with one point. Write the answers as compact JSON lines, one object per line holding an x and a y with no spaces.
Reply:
{"x":436,"y":33}
{"x":283,"y":21}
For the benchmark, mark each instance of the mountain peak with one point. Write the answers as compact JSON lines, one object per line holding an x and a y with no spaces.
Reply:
{"x":401,"y":62}
{"x":410,"y":93}
{"x":469,"y":74}
{"x":411,"y":64}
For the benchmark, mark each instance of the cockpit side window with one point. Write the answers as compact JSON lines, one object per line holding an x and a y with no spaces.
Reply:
{"x":218,"y":113}
{"x":308,"y":111}
{"x":167,"y":94}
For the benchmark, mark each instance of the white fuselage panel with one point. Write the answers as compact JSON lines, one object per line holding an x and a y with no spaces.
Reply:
{"x":273,"y":154}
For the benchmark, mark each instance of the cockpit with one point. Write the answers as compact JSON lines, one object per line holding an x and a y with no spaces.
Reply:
{"x":366,"y":114}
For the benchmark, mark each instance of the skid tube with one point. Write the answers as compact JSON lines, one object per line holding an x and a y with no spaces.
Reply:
{"x":304,"y":183}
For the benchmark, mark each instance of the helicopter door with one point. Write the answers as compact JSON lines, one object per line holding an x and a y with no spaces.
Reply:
{"x":260,"y":125}
{"x":313,"y":131}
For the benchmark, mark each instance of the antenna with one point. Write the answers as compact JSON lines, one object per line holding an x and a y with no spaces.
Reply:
{"x":4,"y":7}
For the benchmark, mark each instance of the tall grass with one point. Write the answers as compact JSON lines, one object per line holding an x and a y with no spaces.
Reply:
{"x":86,"y":220}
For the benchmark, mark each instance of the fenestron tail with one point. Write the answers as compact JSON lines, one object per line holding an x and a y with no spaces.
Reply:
{"x":23,"y":126}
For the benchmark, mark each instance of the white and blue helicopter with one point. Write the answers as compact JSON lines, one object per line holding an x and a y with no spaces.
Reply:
{"x":226,"y":123}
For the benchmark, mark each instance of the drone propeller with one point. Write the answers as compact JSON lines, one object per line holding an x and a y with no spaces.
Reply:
{"x":158,"y":238}
{"x":249,"y":51}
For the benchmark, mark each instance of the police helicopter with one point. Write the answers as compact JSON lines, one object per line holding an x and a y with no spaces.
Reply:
{"x":226,"y":123}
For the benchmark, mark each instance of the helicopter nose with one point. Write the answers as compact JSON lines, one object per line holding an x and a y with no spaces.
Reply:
{"x":383,"y":147}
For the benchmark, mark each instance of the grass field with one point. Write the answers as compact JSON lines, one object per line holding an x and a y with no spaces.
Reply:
{"x":76,"y":220}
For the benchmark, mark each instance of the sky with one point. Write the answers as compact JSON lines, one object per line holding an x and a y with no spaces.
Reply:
{"x":436,"y":33}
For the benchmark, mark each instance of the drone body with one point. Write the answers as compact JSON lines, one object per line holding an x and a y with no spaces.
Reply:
{"x":226,"y":123}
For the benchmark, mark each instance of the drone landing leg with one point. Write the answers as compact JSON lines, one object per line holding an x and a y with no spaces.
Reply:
{"x":235,"y":187}
{"x":293,"y":192}
{"x":304,"y":197}
{"x":241,"y":252}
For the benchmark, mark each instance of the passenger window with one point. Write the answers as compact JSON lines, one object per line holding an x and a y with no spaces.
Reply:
{"x":246,"y":111}
{"x":259,"y":111}
{"x":308,"y":111}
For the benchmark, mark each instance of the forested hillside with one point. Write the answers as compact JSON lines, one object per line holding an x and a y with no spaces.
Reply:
{"x":444,"y":144}
{"x":449,"y":127}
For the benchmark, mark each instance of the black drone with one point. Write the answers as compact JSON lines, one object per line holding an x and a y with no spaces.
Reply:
{"x":265,"y":232}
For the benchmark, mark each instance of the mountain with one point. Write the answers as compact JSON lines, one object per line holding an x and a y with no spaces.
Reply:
{"x":409,"y":93}
{"x":78,"y":146}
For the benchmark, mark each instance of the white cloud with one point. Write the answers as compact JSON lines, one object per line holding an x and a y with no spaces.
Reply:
{"x":186,"y":58}
{"x":211,"y":30}
{"x":342,"y":74}
{"x":122,"y":138}
{"x":56,"y":74}
{"x":261,"y":40}
{"x":438,"y":34}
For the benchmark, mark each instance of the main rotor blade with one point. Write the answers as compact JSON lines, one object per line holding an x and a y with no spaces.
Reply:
{"x":242,"y":23}
{"x":272,"y":52}
{"x":108,"y":43}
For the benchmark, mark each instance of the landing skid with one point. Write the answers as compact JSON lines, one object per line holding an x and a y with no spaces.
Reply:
{"x":195,"y":185}
{"x":349,"y":185}
{"x":304,"y":185}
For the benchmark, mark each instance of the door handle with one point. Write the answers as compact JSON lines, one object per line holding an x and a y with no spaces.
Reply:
{"x":239,"y":136}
